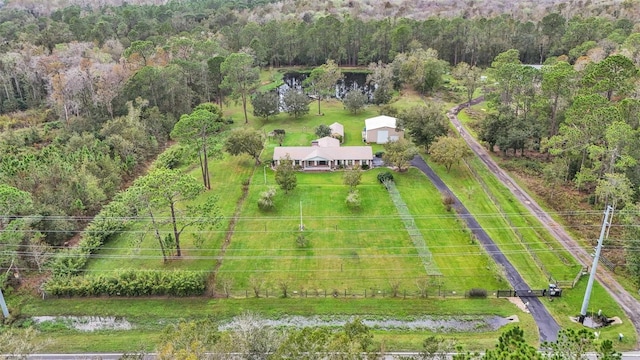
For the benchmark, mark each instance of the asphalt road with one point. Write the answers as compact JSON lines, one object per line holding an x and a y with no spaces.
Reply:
{"x":98,"y":356}
{"x":547,"y":326}
{"x":628,"y":303}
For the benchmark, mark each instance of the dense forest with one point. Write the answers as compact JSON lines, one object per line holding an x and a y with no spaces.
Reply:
{"x":89,"y":94}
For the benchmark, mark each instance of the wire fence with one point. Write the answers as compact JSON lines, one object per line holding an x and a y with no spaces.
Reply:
{"x":514,"y":229}
{"x":414,"y":233}
{"x":362,"y":293}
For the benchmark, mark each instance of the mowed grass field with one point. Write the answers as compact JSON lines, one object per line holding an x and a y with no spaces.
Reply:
{"x":351,"y":250}
{"x":348,"y":250}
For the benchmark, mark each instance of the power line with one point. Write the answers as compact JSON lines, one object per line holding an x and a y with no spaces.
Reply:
{"x":295,"y":217}
{"x":139,"y":255}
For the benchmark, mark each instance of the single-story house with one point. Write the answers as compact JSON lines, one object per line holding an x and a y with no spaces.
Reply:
{"x":381,"y":129}
{"x":324,"y":154}
{"x":337,"y":131}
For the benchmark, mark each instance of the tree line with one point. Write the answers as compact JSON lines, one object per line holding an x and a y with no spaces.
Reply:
{"x":583,"y":116}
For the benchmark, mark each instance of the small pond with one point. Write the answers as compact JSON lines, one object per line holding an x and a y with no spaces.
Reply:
{"x":351,"y":81}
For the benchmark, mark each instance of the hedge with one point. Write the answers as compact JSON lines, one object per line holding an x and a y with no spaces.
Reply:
{"x":110,"y":220}
{"x":129,"y":283}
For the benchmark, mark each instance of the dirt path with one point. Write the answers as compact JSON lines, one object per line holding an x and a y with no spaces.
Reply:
{"x":547,"y":326}
{"x":211,"y":283}
{"x":629,"y":304}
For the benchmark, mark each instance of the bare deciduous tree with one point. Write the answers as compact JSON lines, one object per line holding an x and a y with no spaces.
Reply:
{"x":256,"y":282}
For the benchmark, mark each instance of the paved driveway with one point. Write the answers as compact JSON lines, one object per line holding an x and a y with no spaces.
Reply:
{"x":547,"y":325}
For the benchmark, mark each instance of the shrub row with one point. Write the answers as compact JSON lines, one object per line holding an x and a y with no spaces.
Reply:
{"x":477,"y":293}
{"x":129,"y":283}
{"x":110,"y":220}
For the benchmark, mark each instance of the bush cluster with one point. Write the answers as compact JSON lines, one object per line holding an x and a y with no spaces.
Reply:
{"x":129,"y":283}
{"x":353,"y":200}
{"x":385,"y":176}
{"x":478,"y":293}
{"x":171,"y":158}
{"x":266,"y":199}
{"x":111,"y":220}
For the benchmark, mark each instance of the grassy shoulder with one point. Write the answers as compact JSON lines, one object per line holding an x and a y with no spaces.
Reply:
{"x":570,"y":303}
{"x":572,"y":211}
{"x":494,"y":222}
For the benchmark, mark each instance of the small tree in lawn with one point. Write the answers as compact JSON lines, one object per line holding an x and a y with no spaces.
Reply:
{"x":256,"y":282}
{"x":353,"y":200}
{"x":284,"y":286}
{"x":279,"y":136}
{"x":265,"y":104}
{"x":286,"y":175}
{"x":245,"y":141}
{"x":355,"y":101}
{"x":352,"y":178}
{"x":295,"y":103}
{"x":301,"y":240}
{"x":323,"y":130}
{"x":399,"y":153}
{"x":448,"y":150}
{"x":266,"y":199}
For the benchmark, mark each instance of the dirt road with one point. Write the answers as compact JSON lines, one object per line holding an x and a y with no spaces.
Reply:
{"x":629,"y":304}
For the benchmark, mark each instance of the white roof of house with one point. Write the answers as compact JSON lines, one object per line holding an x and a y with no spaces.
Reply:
{"x":378,"y":122}
{"x":337,"y":129}
{"x":323,"y":153}
{"x":327,"y":141}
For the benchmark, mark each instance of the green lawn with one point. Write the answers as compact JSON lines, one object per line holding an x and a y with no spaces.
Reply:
{"x":464,"y":264}
{"x":349,"y":250}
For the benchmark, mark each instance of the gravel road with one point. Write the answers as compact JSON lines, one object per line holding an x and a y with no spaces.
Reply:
{"x":629,"y":304}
